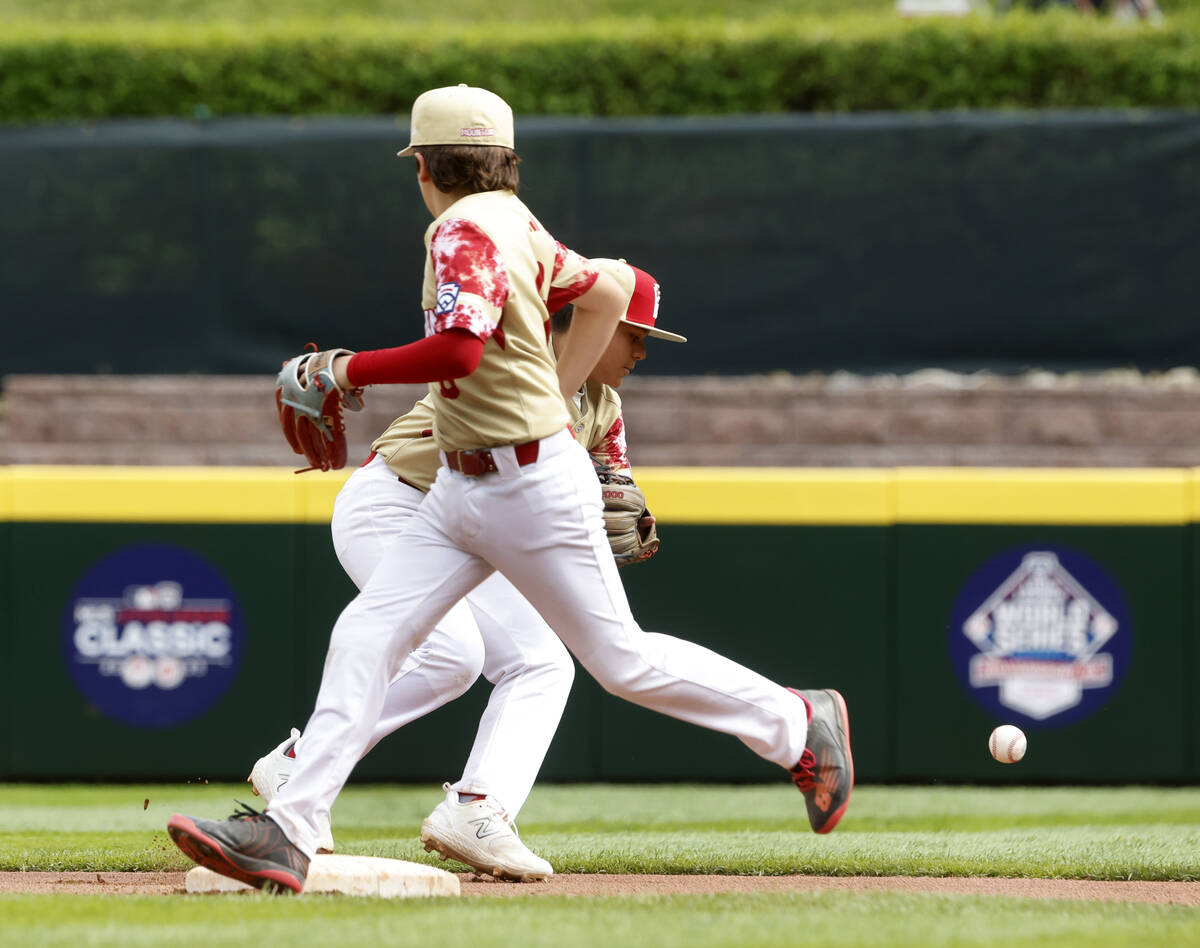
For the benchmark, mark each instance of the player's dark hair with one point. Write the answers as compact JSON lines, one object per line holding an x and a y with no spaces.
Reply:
{"x":560,"y":321}
{"x":472,"y":168}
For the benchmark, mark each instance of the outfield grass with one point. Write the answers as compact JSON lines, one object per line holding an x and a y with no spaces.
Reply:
{"x":825,"y":919}
{"x":1096,"y":833}
{"x":1107,"y":833}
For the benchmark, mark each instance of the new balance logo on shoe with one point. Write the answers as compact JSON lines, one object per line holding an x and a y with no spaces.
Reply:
{"x":485,"y":827}
{"x":829,"y":778}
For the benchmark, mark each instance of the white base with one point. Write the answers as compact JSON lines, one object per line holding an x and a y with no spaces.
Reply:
{"x":348,"y":875}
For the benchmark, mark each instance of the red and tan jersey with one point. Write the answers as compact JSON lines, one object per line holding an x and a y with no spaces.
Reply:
{"x":598,"y":425}
{"x":494,"y":271}
{"x":410,"y":451}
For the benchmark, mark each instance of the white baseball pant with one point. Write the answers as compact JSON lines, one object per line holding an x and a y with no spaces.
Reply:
{"x":541,"y":526}
{"x":493,"y":630}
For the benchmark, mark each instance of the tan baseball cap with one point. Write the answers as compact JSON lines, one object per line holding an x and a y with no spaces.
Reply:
{"x":644,"y":297}
{"x":460,"y":115}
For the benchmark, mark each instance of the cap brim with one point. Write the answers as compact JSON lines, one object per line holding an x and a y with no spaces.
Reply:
{"x":407,"y":151}
{"x":656,"y":333}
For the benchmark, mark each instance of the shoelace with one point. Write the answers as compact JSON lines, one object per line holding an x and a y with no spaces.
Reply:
{"x":496,"y":809}
{"x":503,"y":814}
{"x":804,"y":774}
{"x":499,"y":811}
{"x":246,"y":812}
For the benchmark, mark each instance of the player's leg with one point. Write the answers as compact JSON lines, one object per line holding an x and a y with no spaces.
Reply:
{"x":370,"y":512}
{"x":530,"y":668}
{"x":374,"y":508}
{"x":419,"y":578}
{"x":532,"y":674}
{"x":562,"y":563}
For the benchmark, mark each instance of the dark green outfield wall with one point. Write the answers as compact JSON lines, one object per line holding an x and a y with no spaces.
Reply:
{"x":868,"y":243}
{"x":862,"y":608}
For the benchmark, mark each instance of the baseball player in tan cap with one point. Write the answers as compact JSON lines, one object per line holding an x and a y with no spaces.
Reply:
{"x":515,"y":493}
{"x":494,"y":630}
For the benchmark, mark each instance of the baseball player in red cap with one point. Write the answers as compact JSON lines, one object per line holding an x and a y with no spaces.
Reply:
{"x":515,"y":493}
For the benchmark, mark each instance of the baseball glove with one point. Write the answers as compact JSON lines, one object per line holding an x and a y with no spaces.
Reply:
{"x":310,"y":405}
{"x":629,"y":525}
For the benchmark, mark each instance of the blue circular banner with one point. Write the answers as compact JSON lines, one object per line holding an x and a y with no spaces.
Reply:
{"x":1040,"y":636}
{"x":152,"y":636}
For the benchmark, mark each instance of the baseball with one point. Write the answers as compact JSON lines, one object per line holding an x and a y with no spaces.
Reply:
{"x":1007,"y":744}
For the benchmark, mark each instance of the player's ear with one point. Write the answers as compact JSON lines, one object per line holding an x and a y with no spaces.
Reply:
{"x":422,"y":167}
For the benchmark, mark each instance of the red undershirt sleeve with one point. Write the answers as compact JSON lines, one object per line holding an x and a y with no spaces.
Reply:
{"x":452,"y":354}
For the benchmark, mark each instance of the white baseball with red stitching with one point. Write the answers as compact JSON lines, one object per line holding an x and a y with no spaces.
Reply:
{"x":1007,"y":744}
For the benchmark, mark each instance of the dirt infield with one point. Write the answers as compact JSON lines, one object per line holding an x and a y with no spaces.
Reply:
{"x":594,"y":886}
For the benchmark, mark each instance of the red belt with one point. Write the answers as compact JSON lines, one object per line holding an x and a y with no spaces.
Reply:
{"x":479,"y":462}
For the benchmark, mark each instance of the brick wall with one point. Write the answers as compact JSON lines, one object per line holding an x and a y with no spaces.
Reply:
{"x":1118,"y":418}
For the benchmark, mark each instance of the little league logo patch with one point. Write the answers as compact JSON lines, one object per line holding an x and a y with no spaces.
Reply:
{"x":152,"y":636}
{"x":1041,"y":635}
{"x":447,"y":296}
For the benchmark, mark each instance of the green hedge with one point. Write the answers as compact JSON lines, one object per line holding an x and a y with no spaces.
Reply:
{"x":851,"y":62}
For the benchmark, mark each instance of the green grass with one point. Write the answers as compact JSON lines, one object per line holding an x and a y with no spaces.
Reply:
{"x":1096,"y":833}
{"x":1104,"y":833}
{"x":798,"y":919}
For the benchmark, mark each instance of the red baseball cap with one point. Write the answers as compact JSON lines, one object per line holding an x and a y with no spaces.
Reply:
{"x":644,"y":299}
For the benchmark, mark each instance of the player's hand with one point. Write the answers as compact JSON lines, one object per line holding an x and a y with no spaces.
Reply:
{"x":630,"y":526}
{"x":309,"y":401}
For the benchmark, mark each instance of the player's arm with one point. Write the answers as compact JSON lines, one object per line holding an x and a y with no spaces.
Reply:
{"x":451,"y":354}
{"x":611,"y":449}
{"x":597,"y":312}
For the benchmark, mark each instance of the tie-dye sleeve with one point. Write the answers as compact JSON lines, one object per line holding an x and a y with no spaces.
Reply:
{"x":612,"y":449}
{"x":472,"y":282}
{"x":573,"y":276}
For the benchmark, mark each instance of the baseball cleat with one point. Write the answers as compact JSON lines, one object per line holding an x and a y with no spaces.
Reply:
{"x":481,"y":835}
{"x":272,"y":771}
{"x":825,"y":773}
{"x":249,"y":847}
